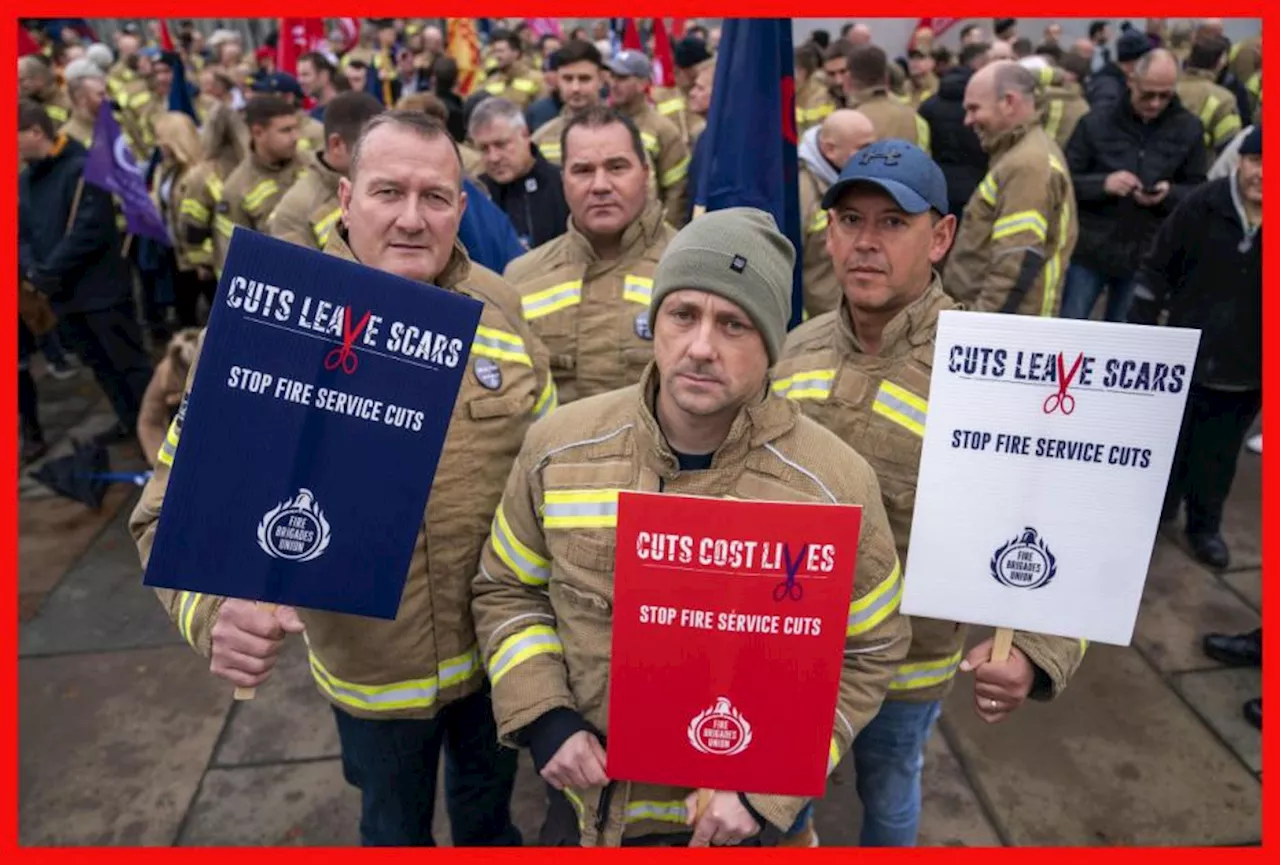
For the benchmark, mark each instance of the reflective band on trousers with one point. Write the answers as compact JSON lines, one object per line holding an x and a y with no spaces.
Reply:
{"x":901,"y":406}
{"x":637,"y":289}
{"x":873,"y":608}
{"x":499,"y":345}
{"x":552,"y":299}
{"x":520,"y":647}
{"x":1053,"y":269}
{"x":529,"y":567}
{"x":925,"y":674}
{"x":579,"y":509}
{"x":814,"y":384}
{"x":412,"y":694}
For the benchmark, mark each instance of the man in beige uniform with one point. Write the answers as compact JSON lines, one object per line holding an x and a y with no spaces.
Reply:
{"x":401,"y":690}
{"x":668,"y":152}
{"x":866,"y":88}
{"x":1019,"y":228}
{"x":1202,"y":95}
{"x":512,"y":79}
{"x":310,"y":210}
{"x":689,"y":56}
{"x":1061,"y":98}
{"x":586,"y":293}
{"x":814,"y":101}
{"x":699,"y":422}
{"x":36,"y":81}
{"x":578,"y":80}
{"x":863,"y":372}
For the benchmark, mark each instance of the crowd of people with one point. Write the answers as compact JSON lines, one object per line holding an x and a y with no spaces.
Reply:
{"x":1122,"y":171}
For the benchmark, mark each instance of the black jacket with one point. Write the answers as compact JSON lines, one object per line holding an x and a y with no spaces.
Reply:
{"x":1207,"y":274}
{"x":456,"y":124}
{"x":1115,"y":232}
{"x":543,"y":111}
{"x":1106,"y":87}
{"x":534,"y":203}
{"x":955,"y":147}
{"x":1244,"y":102}
{"x":80,"y":270}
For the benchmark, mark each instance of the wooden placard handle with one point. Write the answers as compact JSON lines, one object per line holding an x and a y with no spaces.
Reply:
{"x":703,"y":802}
{"x":1002,"y":644}
{"x":249,"y":693}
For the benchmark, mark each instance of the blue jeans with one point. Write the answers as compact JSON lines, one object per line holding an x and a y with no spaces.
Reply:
{"x":888,"y":758}
{"x":1083,"y":287}
{"x":394,"y":764}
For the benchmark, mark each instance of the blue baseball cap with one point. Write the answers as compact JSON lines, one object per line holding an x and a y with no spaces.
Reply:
{"x":901,"y":169}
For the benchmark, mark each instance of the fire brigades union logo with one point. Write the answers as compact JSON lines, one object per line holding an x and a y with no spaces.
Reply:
{"x":720,"y":730}
{"x":1024,"y":562}
{"x":295,"y":529}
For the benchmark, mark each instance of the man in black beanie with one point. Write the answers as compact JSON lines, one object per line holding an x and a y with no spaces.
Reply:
{"x":1107,"y":85}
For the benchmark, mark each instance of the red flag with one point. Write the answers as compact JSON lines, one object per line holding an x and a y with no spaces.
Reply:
{"x":631,"y":36}
{"x":350,"y":28}
{"x":664,"y":64}
{"x":166,"y":41}
{"x":937,"y":25}
{"x":297,"y":37}
{"x":677,"y":28}
{"x":26,"y":45}
{"x":464,"y":47}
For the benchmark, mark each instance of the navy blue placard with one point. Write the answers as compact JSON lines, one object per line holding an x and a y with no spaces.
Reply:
{"x":308,"y":488}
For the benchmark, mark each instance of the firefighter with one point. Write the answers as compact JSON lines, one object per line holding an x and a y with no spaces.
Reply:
{"x":579,"y":80}
{"x":813,"y":100}
{"x":866,"y":88}
{"x":1203,"y":96}
{"x":511,"y":78}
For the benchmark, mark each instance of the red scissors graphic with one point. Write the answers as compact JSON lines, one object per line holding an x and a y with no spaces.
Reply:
{"x":344,"y":357}
{"x":1062,"y":400}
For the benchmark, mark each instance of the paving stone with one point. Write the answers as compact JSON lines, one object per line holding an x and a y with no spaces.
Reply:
{"x":287,"y":805}
{"x":1117,"y":760}
{"x":1218,"y":696}
{"x":101,"y":604}
{"x":1248,"y":585}
{"x":1182,"y":602}
{"x":113,"y":745}
{"x":1242,"y":519}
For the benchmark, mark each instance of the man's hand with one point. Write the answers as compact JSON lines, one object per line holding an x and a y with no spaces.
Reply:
{"x":1122,"y":183}
{"x":1162,"y":190}
{"x":724,"y":821}
{"x":247,"y":639}
{"x":999,"y":687}
{"x":579,"y":763}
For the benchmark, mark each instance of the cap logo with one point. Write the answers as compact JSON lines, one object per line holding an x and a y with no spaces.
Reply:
{"x":890,"y":157}
{"x":738,"y":264}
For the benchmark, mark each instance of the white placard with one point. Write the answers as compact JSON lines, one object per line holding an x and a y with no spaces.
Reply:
{"x":1037,"y":512}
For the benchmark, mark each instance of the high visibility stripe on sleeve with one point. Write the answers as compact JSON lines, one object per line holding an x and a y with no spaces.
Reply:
{"x":1084,"y":646}
{"x":813,"y":384}
{"x":550,"y":150}
{"x":819,"y":222}
{"x":813,"y":115}
{"x":393,"y":696}
{"x":580,"y":509}
{"x":664,"y":812}
{"x":833,"y":755}
{"x":548,"y":400}
{"x":214,"y":185}
{"x":224,"y":226}
{"x":500,"y":345}
{"x":56,"y":113}
{"x":1055,"y":164}
{"x":877,"y":605}
{"x":1046,"y":76}
{"x":169,"y":447}
{"x":1054,"y":121}
{"x":520,"y":647}
{"x":1254,"y":84}
{"x":529,"y":567}
{"x":525,"y":85}
{"x":138,"y":100}
{"x":650,"y":142}
{"x":199,"y":255}
{"x":922,"y":134}
{"x":1053,"y":269}
{"x":901,"y":406}
{"x":257,"y":196}
{"x":552,"y":299}
{"x":323,"y":226}
{"x":671,"y":106}
{"x":1227,"y":127}
{"x":637,"y":289}
{"x":194,"y":209}
{"x":987,"y":189}
{"x":677,"y":172}
{"x":925,"y":674}
{"x":187,"y":603}
{"x":497,"y":88}
{"x":1016,"y":223}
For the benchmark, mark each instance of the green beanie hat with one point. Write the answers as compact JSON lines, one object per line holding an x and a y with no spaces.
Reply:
{"x":740,"y":255}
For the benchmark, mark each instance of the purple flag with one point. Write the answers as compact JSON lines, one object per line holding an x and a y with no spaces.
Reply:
{"x":111,"y":166}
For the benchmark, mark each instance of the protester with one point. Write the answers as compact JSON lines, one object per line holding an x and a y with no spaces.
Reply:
{"x":866,"y":88}
{"x":1199,"y":92}
{"x":955,"y":146}
{"x":512,"y":79}
{"x":224,"y":143}
{"x":1063,"y":102}
{"x":548,"y":108}
{"x":1108,"y":83}
{"x":813,"y":100}
{"x":163,"y":396}
{"x":179,"y":144}
{"x":318,"y":78}
{"x":579,"y":81}
{"x":1239,"y":650}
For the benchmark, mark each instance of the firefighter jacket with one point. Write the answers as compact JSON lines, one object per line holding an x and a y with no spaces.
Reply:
{"x":921,"y":90}
{"x":668,"y":162}
{"x":673,"y":104}
{"x":878,"y":404}
{"x":176,"y":180}
{"x":137,"y":105}
{"x":310,"y":133}
{"x":56,"y":104}
{"x":813,"y":104}
{"x":1214,"y":104}
{"x":249,"y":194}
{"x":427,"y":657}
{"x":544,"y":592}
{"x":1061,"y":105}
{"x":891,"y":117}
{"x":1018,"y":230}
{"x":308,"y":212}
{"x":822,"y":290}
{"x":164,"y":392}
{"x":519,"y":84}
{"x":592,"y":315}
{"x":1245,"y":59}
{"x":547,"y":137}
{"x":118,"y":76}
{"x":198,"y":214}
{"x":80,"y":128}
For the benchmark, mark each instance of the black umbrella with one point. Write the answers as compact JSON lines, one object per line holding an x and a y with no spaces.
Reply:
{"x":83,"y":476}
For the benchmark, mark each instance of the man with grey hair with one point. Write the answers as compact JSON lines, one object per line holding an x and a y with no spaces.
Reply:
{"x":101,"y":55}
{"x":518,"y":178}
{"x":86,"y":88}
{"x":1019,"y":227}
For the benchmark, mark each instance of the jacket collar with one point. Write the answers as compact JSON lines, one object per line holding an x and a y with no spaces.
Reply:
{"x":327,"y":173}
{"x":263,"y":165}
{"x":1006,"y":141}
{"x":913,"y":326}
{"x":455,"y":271}
{"x":870,"y":94}
{"x":639,"y":235}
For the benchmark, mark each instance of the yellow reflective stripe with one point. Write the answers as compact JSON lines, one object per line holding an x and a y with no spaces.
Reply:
{"x":500,"y":345}
{"x":925,"y":674}
{"x":497,"y":88}
{"x":194,"y":209}
{"x":580,"y":509}
{"x":1016,"y":223}
{"x":56,"y":113}
{"x":1226,"y":128}
{"x":819,"y":222}
{"x":901,"y":406}
{"x":1211,"y":104}
{"x":520,"y":647}
{"x":187,"y":603}
{"x":637,"y":289}
{"x":922,"y":134}
{"x":665,"y":812}
{"x":987,"y":189}
{"x":671,"y":106}
{"x":214,"y":185}
{"x":1254,"y":84}
{"x":529,"y":567}
{"x":255,"y":197}
{"x":548,"y":400}
{"x":550,"y":150}
{"x":650,"y":142}
{"x":1055,"y":118}
{"x":199,"y":255}
{"x":1046,"y":76}
{"x":877,"y":605}
{"x":324,"y":227}
{"x":552,"y":299}
{"x":676,"y":173}
{"x":814,"y":384}
{"x":137,"y":100}
{"x":525,"y":85}
{"x":224,"y":226}
{"x":1053,"y":270}
{"x":833,"y":755}
{"x":813,"y":115}
{"x":169,"y":447}
{"x":409,"y":694}
{"x":1056,"y":165}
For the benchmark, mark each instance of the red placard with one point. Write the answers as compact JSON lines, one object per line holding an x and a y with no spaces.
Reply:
{"x":728,"y":641}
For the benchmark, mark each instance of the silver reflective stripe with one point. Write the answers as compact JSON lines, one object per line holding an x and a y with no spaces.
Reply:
{"x":459,"y":669}
{"x":938,"y":674}
{"x":580,"y":509}
{"x":512,"y":345}
{"x":538,"y":572}
{"x":901,"y":407}
{"x":886,"y":599}
{"x":501,"y":661}
{"x":417,"y":693}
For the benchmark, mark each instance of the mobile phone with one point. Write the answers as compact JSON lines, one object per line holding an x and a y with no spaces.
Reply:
{"x":1151,"y":190}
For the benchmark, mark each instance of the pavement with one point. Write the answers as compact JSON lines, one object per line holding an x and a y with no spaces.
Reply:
{"x":126,"y":739}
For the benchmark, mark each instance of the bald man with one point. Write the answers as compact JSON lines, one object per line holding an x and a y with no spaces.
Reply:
{"x":1001,"y":50}
{"x":823,"y":152}
{"x":1084,"y":47}
{"x":1019,"y":227}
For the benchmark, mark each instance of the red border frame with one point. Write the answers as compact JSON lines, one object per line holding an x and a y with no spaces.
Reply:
{"x":588,"y":9}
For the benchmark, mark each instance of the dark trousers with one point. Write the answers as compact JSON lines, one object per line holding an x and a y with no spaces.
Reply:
{"x":394,"y":764}
{"x":188,"y":288}
{"x":28,"y":405}
{"x":1214,"y":427}
{"x":109,"y":342}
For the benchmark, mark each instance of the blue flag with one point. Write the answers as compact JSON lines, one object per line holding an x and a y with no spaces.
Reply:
{"x":180,"y":93}
{"x":749,"y":155}
{"x":487,"y":232}
{"x":111,"y":166}
{"x":310,"y":439}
